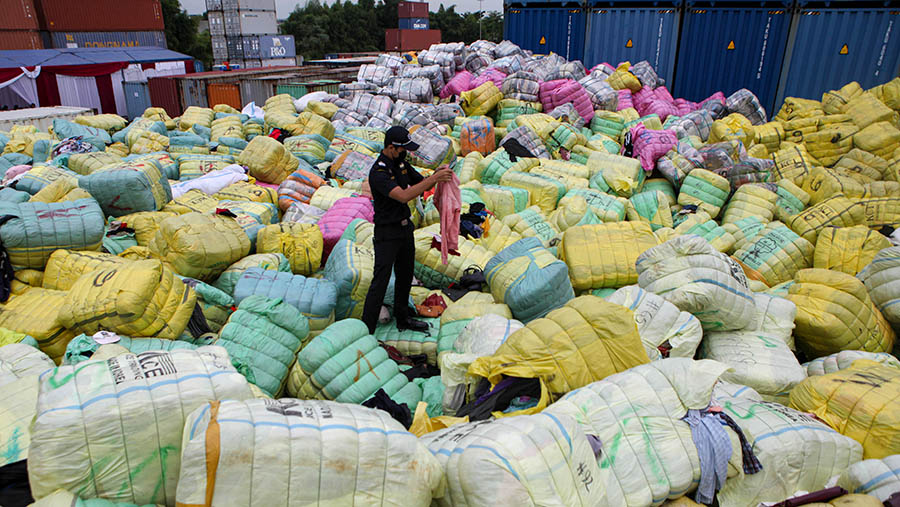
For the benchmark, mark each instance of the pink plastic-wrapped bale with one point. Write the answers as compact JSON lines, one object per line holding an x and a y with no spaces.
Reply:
{"x":625,"y":100}
{"x":489,"y":75}
{"x":684,"y":106}
{"x":650,"y":145}
{"x":461,"y":82}
{"x":335,"y":221}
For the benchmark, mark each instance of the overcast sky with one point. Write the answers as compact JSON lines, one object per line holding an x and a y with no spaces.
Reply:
{"x":285,"y":7}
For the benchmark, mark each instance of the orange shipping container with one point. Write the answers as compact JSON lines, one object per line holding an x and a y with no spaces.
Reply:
{"x":20,"y":39}
{"x":18,"y":15}
{"x":224,"y":93}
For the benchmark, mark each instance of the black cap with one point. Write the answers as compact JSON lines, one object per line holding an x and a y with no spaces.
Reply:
{"x":399,"y":136}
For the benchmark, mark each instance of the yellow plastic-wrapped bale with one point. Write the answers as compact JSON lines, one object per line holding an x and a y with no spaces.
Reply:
{"x":36,"y":313}
{"x":300,"y":243}
{"x":586,"y":340}
{"x":793,"y":163}
{"x":576,"y":212}
{"x":497,"y":237}
{"x":61,"y":190}
{"x":881,"y":211}
{"x":837,"y":211}
{"x":532,"y":223}
{"x":861,"y":402}
{"x":503,"y":201}
{"x":847,"y":249}
{"x":775,"y":255}
{"x":830,"y":144}
{"x":65,"y":267}
{"x":199,"y":245}
{"x":750,"y":201}
{"x":822,"y":183}
{"x":145,"y":224}
{"x":706,"y":190}
{"x":480,"y":101}
{"x":734,"y":127}
{"x":834,"y":313}
{"x":543,"y":192}
{"x":701,"y":224}
{"x":603,"y":255}
{"x":325,"y":196}
{"x":689,"y":273}
{"x":140,"y":298}
{"x":865,"y":110}
{"x":246,"y":191}
{"x":835,"y":101}
{"x":791,"y":200}
{"x":881,"y":189}
{"x":768,"y":135}
{"x":435,"y":274}
{"x":193,"y":200}
{"x":608,"y":208}
{"x":744,"y":231}
{"x":203,"y":116}
{"x":863,"y":163}
{"x":794,"y":107}
{"x":880,"y":138}
{"x":268,"y":160}
{"x":624,"y":175}
{"x":652,"y":207}
{"x":86,"y":163}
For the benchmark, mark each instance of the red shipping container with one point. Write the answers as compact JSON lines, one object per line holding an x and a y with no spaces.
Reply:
{"x":412,"y":9}
{"x":100,"y":15}
{"x":20,"y":39}
{"x":164,"y":94}
{"x":18,"y":15}
{"x":410,"y":40}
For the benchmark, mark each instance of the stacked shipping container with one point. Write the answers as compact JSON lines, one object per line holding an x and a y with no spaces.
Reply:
{"x":243,"y":34}
{"x":19,"y":25}
{"x":775,"y":48}
{"x":413,"y":31}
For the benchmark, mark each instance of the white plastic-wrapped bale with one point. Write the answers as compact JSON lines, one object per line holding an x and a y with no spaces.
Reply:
{"x":646,"y":74}
{"x":688,"y":272}
{"x":481,"y":337}
{"x":430,"y":72}
{"x":20,"y":365}
{"x":349,"y":90}
{"x":797,"y":452}
{"x":844,"y":359}
{"x":745,"y":102}
{"x":302,"y":452}
{"x":665,"y":330}
{"x":882,"y":279}
{"x":416,"y":89}
{"x":601,"y":93}
{"x":521,"y":85}
{"x":375,"y":74}
{"x":876,"y":477}
{"x":112,"y":429}
{"x":760,"y":356}
{"x":647,"y":454}
{"x":539,"y":459}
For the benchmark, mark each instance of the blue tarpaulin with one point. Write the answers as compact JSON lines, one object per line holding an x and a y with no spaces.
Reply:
{"x":86,"y":56}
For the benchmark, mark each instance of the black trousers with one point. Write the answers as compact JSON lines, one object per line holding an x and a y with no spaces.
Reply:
{"x":395,"y":249}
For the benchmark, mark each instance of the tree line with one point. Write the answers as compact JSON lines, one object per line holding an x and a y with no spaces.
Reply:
{"x":341,"y":27}
{"x":348,"y":27}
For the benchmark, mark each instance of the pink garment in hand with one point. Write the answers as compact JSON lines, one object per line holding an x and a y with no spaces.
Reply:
{"x":448,"y":202}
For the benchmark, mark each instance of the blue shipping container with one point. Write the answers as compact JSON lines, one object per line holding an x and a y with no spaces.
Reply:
{"x":137,"y":98}
{"x":277,"y":46}
{"x":105,"y":39}
{"x":726,"y":49}
{"x":542,"y":30}
{"x":632,"y":35}
{"x":413,"y":24}
{"x":832,"y":47}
